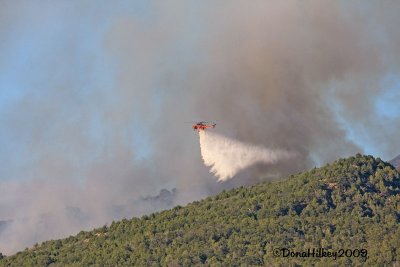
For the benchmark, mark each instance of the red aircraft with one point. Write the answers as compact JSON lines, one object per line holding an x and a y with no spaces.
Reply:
{"x":202,"y":125}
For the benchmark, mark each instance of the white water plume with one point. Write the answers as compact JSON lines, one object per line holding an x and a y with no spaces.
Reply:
{"x":227,"y":157}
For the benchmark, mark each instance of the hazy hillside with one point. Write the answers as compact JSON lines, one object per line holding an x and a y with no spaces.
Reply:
{"x":351,"y":207}
{"x":396,"y":162}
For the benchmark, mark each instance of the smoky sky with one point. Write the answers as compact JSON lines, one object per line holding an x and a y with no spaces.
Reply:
{"x":94,"y":97}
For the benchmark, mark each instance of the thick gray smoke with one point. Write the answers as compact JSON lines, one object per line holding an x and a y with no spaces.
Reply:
{"x":227,"y":156}
{"x":97,"y":96}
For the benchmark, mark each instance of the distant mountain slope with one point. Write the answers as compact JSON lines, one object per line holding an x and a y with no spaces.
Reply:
{"x":396,"y":162}
{"x":3,"y":225}
{"x":351,"y":207}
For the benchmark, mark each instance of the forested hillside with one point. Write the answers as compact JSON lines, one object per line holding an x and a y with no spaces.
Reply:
{"x":351,"y":207}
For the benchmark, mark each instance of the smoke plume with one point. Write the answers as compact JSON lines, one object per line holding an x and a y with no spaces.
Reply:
{"x":227,"y":157}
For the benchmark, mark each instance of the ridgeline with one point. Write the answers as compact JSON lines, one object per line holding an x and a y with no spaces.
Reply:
{"x":350,"y":207}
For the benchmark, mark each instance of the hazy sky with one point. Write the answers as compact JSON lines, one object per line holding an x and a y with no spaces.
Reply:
{"x":94,"y":96}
